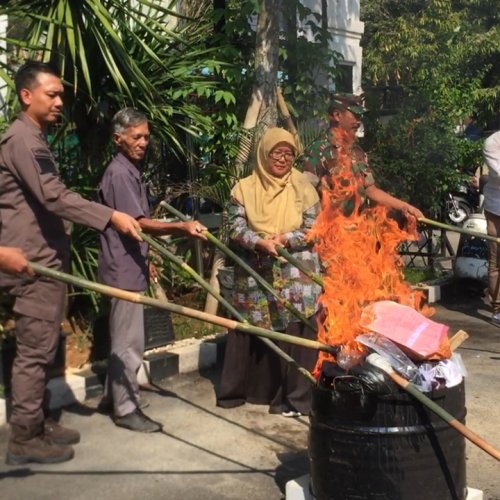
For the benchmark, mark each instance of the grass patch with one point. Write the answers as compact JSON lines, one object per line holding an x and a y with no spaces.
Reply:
{"x":185,"y":327}
{"x":415,"y":275}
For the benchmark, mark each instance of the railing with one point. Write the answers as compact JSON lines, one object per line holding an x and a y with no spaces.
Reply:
{"x":432,"y":247}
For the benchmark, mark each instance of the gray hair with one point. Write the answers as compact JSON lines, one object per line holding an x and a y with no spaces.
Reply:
{"x":125,"y":118}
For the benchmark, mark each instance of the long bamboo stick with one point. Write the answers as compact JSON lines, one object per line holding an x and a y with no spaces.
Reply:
{"x":174,"y":308}
{"x":228,"y":306}
{"x":299,"y":265}
{"x":384,"y":365}
{"x":461,"y":230}
{"x":260,"y":280}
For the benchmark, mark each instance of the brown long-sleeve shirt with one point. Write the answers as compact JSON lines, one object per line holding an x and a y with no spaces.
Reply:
{"x":35,"y":205}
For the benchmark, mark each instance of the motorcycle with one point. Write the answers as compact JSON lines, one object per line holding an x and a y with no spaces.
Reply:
{"x":466,"y":200}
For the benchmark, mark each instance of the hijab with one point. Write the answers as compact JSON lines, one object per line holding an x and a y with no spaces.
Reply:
{"x":274,"y":205}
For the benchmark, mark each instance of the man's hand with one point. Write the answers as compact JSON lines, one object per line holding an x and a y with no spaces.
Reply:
{"x":195,"y":229}
{"x":268,"y":246}
{"x":125,"y":224}
{"x":411,"y":210}
{"x":14,"y":261}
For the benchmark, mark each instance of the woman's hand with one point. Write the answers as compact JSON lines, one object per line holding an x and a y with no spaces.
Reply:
{"x":280,"y":239}
{"x":268,"y":246}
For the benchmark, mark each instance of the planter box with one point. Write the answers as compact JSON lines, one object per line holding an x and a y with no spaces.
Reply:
{"x":226,"y":282}
{"x":158,"y":328}
{"x":158,"y":331}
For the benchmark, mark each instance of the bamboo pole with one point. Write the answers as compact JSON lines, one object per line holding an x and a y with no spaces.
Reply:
{"x":262,"y":282}
{"x":296,"y":262}
{"x":229,"y":307}
{"x":138,"y":298}
{"x":461,"y":230}
{"x":379,"y":362}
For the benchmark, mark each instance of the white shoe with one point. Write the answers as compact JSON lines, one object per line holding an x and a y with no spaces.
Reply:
{"x":291,"y":413}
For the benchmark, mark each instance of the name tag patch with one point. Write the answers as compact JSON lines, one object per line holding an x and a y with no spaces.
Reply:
{"x":45,"y":161}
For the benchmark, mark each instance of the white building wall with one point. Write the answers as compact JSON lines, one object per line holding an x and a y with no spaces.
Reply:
{"x":346,"y":29}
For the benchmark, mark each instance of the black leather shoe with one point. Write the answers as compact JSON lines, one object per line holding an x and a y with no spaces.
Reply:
{"x":138,"y":422}
{"x":105,"y":406}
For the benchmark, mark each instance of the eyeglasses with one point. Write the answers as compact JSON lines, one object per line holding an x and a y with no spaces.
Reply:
{"x":277,"y":155}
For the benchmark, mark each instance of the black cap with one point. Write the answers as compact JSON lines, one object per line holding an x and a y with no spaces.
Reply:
{"x":351,"y":102}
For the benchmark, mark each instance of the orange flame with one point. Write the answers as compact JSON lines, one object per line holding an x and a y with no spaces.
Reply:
{"x":360,"y":258}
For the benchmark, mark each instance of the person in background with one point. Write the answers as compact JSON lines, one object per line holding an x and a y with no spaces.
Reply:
{"x":491,"y":152}
{"x":124,"y":264}
{"x":321,"y":159}
{"x":35,"y":211}
{"x":273,"y":207}
{"x":472,"y":130}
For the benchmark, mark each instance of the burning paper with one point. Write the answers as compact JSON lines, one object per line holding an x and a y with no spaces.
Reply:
{"x":422,"y":337}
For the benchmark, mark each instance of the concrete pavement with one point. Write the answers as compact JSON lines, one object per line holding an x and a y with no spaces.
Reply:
{"x":206,"y":453}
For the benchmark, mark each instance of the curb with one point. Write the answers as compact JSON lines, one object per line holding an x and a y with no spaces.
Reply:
{"x":436,"y":291}
{"x":184,"y":356}
{"x":299,"y":489}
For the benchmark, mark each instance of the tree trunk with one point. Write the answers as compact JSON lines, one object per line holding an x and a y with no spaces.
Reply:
{"x":211,"y":303}
{"x":263,"y":102}
{"x":291,"y":23}
{"x":266,"y":59}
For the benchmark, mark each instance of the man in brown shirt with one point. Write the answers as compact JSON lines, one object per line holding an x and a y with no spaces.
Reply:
{"x":35,"y":207}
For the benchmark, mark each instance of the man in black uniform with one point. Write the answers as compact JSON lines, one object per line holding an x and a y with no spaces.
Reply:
{"x":35,"y":207}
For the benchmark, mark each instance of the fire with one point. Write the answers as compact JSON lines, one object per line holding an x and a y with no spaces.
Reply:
{"x":360,"y":259}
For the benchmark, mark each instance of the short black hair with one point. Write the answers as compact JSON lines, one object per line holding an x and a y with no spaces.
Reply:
{"x":27,"y":75}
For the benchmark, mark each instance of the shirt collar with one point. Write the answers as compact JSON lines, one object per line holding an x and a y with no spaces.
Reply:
{"x":30,"y":123}
{"x":125,"y":162}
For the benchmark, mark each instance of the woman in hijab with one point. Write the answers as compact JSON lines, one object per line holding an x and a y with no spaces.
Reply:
{"x":275,"y":206}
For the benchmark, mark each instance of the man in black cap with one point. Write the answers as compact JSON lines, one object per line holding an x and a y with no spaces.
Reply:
{"x":321,"y":161}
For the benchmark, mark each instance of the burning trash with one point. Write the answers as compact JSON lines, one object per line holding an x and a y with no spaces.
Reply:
{"x":362,"y":267}
{"x":368,"y":437}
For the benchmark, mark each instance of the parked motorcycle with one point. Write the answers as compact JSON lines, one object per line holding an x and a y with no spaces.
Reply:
{"x":466,"y":200}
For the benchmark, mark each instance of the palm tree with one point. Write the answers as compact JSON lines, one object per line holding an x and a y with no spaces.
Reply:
{"x":115,"y":53}
{"x":111,"y":54}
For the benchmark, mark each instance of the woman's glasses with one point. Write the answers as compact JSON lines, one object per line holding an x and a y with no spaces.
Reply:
{"x":277,"y":155}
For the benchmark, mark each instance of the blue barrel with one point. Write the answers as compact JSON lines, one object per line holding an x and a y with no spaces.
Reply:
{"x":375,"y":442}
